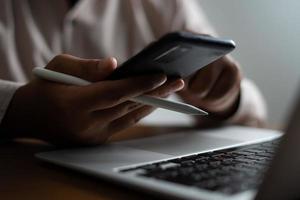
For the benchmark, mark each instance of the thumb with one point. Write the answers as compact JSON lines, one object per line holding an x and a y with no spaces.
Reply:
{"x":89,"y":69}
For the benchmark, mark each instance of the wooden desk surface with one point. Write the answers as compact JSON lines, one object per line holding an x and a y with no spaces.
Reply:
{"x":22,"y":176}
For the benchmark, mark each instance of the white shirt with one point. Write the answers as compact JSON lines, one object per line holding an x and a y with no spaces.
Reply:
{"x":33,"y":31}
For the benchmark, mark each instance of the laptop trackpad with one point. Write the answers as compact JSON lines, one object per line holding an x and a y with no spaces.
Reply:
{"x":181,"y":143}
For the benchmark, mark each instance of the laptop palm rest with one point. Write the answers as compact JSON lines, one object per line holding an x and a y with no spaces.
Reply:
{"x":131,"y":152}
{"x":180,"y":143}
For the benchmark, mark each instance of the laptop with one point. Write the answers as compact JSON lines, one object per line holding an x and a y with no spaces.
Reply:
{"x":230,"y":162}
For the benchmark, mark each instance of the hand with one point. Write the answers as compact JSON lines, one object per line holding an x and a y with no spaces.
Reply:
{"x":68,"y":115}
{"x":214,"y":88}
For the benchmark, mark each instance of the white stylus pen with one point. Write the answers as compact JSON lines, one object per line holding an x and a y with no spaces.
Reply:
{"x":144,"y":99}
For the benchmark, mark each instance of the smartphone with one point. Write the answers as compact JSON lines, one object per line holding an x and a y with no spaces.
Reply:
{"x":177,"y":54}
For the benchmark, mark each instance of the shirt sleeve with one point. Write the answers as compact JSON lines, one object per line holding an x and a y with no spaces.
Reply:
{"x":252,"y":107}
{"x":7,"y":90}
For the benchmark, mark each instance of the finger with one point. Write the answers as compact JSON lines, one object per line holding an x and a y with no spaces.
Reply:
{"x":89,"y":69}
{"x":167,"y":88}
{"x":223,"y":94}
{"x":202,"y":82}
{"x":107,"y":94}
{"x":226,"y":89}
{"x":126,"y":107}
{"x":117,"y":125}
{"x":129,"y":120}
{"x":115,"y":112}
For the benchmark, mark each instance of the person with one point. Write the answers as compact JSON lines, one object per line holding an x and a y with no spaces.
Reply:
{"x":69,"y":36}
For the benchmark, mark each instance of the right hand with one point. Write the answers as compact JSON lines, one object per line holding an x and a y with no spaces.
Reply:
{"x":67,"y":115}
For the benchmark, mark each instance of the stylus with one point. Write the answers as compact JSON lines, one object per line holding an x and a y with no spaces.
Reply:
{"x":144,"y":99}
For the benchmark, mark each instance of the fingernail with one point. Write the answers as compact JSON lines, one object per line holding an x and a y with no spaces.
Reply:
{"x":113,"y":61}
{"x":110,"y":62}
{"x":159,"y":79}
{"x":177,"y":85}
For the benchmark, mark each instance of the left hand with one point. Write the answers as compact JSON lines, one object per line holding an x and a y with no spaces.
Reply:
{"x":214,"y":88}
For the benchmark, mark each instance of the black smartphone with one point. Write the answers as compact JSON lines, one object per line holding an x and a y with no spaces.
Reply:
{"x":177,"y":54}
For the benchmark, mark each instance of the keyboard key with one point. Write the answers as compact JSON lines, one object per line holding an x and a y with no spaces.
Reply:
{"x":228,"y":171}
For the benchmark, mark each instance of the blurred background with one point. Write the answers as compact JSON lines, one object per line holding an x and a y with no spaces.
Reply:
{"x":267,"y":34}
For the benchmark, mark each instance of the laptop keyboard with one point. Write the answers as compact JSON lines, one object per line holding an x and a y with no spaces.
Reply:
{"x":228,"y":171}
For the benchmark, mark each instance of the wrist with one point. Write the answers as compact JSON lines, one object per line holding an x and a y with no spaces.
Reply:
{"x":7,"y":91}
{"x":12,"y":125}
{"x":230,"y":110}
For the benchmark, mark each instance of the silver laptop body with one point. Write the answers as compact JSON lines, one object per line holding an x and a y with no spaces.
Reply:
{"x":120,"y":162}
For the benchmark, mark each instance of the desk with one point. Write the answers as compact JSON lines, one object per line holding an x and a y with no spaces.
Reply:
{"x":24,"y":177}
